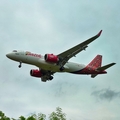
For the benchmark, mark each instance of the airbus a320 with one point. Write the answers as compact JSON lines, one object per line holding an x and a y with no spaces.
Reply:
{"x":49,"y":64}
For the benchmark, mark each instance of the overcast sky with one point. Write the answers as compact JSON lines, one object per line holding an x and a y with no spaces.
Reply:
{"x":52,"y":26}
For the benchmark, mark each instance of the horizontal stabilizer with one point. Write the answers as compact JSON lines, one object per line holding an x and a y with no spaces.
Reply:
{"x":105,"y":67}
{"x":93,"y":75}
{"x":102,"y":69}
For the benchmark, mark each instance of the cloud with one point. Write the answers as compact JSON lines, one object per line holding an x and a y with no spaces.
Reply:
{"x":106,"y":94}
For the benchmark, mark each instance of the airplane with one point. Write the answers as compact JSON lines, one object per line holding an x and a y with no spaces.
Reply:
{"x":49,"y":64}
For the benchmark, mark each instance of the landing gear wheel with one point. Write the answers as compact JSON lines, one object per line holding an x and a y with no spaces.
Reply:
{"x":20,"y":65}
{"x":51,"y":77}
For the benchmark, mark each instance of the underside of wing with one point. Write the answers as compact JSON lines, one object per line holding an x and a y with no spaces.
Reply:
{"x":65,"y":56}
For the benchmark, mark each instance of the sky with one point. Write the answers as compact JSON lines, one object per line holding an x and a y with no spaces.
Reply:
{"x":53,"y":26}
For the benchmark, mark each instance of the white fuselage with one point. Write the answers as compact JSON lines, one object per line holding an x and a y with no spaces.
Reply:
{"x":39,"y":61}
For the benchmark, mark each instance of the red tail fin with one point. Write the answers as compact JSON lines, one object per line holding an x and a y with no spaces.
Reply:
{"x":96,"y":62}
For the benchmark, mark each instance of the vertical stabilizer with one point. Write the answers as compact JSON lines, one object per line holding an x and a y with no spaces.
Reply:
{"x":96,"y":62}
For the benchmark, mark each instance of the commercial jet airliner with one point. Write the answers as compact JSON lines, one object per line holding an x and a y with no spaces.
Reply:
{"x":49,"y":64}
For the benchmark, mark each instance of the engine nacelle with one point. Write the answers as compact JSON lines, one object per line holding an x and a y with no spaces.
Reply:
{"x":35,"y":73}
{"x":51,"y":58}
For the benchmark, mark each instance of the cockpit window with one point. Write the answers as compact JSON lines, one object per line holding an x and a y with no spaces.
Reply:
{"x":14,"y":50}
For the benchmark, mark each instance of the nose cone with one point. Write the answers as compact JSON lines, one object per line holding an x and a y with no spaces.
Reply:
{"x":8,"y":55}
{"x":13,"y":56}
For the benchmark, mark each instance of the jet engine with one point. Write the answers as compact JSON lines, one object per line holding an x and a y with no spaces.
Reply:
{"x":51,"y":58}
{"x":35,"y":73}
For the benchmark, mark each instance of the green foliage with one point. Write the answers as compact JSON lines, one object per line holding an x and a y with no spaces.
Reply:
{"x":31,"y":118}
{"x":22,"y":118}
{"x":3,"y":117}
{"x":40,"y":116}
{"x":57,"y":115}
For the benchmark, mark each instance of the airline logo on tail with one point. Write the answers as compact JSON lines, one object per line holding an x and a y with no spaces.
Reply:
{"x":96,"y":62}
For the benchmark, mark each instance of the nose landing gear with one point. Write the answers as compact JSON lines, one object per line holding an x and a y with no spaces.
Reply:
{"x":20,"y":65}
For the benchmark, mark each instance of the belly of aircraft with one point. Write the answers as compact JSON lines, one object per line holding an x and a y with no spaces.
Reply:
{"x":68,"y":67}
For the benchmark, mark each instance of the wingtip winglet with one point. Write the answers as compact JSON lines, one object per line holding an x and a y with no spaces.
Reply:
{"x":113,"y":63}
{"x":99,"y":33}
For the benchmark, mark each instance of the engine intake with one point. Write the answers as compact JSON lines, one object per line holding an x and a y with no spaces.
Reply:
{"x":35,"y":73}
{"x":51,"y":58}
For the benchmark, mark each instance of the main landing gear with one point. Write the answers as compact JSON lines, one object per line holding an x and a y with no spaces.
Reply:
{"x":62,"y":68}
{"x":51,"y":77}
{"x":20,"y":65}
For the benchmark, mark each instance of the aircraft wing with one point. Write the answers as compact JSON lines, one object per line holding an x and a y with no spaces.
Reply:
{"x":65,"y":56}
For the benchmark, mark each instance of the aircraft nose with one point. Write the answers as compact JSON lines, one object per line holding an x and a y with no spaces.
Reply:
{"x":8,"y":55}
{"x":12,"y":56}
